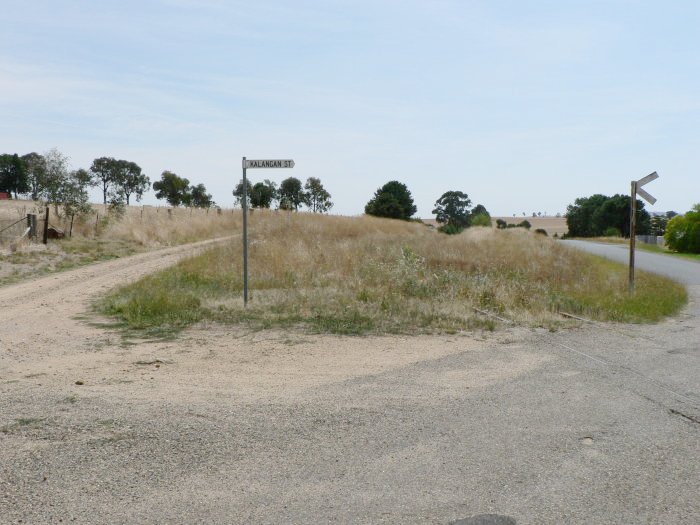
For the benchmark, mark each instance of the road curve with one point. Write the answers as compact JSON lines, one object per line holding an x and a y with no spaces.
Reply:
{"x":681,"y":270}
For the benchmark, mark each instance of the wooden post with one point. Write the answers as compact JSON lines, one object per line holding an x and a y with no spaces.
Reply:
{"x":46,"y":226}
{"x":633,"y":232}
{"x":32,"y":226}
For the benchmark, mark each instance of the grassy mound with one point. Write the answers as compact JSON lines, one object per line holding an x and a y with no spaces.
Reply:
{"x":366,"y":275}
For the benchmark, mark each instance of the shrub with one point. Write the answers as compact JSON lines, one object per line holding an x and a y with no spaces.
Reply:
{"x":541,"y":231}
{"x":480,"y":219}
{"x":450,"y":229}
{"x":501,"y":224}
{"x":683,"y":232}
{"x":612,"y":232}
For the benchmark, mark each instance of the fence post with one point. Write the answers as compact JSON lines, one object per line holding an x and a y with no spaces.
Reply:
{"x":46,"y":226}
{"x":31,"y":224}
{"x":33,"y":227}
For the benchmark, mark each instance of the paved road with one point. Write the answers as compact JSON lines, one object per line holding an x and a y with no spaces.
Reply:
{"x":681,"y":270}
{"x":595,"y":425}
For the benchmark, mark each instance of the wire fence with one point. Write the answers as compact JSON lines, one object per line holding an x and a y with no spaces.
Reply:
{"x":11,"y":230}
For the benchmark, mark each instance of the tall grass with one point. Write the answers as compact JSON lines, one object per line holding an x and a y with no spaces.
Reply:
{"x":147,"y":226}
{"x":102,"y":234}
{"x":368,"y":275}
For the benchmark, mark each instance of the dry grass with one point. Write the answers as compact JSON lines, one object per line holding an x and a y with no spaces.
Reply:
{"x":360,"y":275}
{"x":147,"y":226}
{"x":101,"y":235}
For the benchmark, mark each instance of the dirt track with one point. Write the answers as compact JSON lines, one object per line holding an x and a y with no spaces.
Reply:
{"x":221,"y":426}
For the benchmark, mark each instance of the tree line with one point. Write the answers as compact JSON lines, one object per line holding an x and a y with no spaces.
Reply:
{"x":48,"y":177}
{"x":290,"y":195}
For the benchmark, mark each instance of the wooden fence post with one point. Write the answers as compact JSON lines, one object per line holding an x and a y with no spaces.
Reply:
{"x":46,"y":226}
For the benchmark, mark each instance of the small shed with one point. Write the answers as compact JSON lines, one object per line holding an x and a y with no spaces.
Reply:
{"x":55,"y":233}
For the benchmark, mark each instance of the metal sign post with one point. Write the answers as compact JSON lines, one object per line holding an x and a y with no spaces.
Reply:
{"x":285,"y":163}
{"x":245,"y":236}
{"x":637,"y":190}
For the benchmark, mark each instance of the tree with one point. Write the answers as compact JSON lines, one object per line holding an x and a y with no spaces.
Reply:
{"x":579,"y":215}
{"x":385,"y":205}
{"x":74,"y":195}
{"x":238,"y":192}
{"x":480,"y":216}
{"x":35,"y":168}
{"x":657,"y":225}
{"x":480,"y":219}
{"x":129,"y":180}
{"x":452,"y":209}
{"x":13,"y":176}
{"x":480,"y":209}
{"x":55,"y":177}
{"x":175,"y":190}
{"x":263,"y":194}
{"x":683,"y":232}
{"x":393,"y":200}
{"x":105,"y":173}
{"x":317,"y":198}
{"x":593,"y":216}
{"x":291,"y":194}
{"x":199,"y":198}
{"x":615,"y":213}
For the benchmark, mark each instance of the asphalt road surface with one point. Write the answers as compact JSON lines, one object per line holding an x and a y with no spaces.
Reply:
{"x":682,"y":270}
{"x":593,"y":425}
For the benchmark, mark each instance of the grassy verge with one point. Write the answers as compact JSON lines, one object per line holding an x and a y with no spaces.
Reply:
{"x":364,"y":275}
{"x":658,"y":249}
{"x":101,"y":236}
{"x":38,"y":260}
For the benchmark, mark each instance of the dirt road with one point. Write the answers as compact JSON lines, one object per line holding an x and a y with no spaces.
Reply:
{"x":594,"y":425}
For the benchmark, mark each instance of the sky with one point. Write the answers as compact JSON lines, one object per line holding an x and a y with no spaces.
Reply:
{"x":524,"y":106}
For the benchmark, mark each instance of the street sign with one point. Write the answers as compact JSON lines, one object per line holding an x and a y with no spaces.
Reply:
{"x":637,"y":190}
{"x":647,"y":179}
{"x":271,"y":163}
{"x":644,"y":195}
{"x":248,"y":164}
{"x":641,"y":182}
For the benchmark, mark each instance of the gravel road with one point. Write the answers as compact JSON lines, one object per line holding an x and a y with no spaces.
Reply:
{"x":597,"y":424}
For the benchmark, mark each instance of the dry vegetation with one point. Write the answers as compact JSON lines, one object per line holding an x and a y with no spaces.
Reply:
{"x":368,"y":275}
{"x":102,"y":235}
